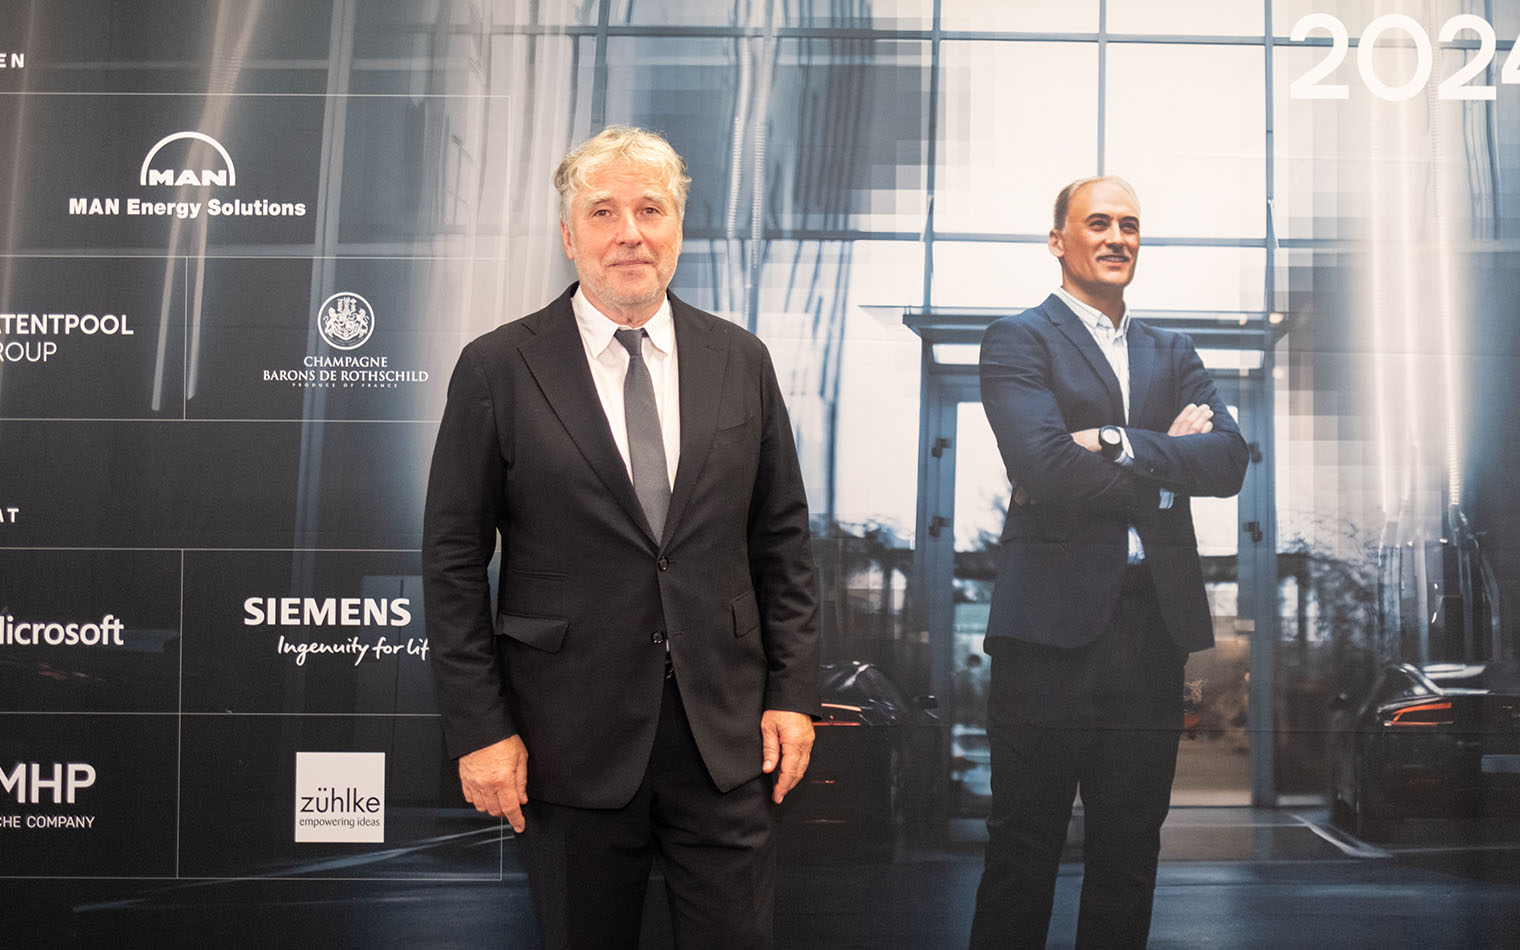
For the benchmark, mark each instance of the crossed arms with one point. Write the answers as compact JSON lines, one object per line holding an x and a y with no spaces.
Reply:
{"x":1045,"y":404}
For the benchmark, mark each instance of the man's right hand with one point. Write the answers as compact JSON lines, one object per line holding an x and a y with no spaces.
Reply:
{"x":1192,"y":420}
{"x":495,"y":780}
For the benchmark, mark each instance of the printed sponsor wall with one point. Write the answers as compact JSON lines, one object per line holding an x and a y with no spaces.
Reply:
{"x":241,"y":245}
{"x":224,"y":337}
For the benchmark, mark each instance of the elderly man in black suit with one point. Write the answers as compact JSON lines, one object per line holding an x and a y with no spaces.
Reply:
{"x":652,"y":653}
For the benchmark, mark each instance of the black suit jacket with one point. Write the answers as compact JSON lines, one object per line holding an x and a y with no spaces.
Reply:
{"x":1063,"y":555}
{"x":568,"y":655}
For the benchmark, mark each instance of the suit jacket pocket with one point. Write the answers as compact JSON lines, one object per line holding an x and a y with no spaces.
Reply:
{"x":544,"y":633}
{"x":746,"y":614}
{"x":734,"y":432}
{"x":534,"y":594}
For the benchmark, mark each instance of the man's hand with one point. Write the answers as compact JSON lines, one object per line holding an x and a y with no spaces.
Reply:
{"x":1192,"y":420}
{"x":495,"y":780}
{"x":787,"y":741}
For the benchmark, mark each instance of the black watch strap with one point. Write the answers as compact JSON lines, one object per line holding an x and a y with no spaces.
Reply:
{"x":1110,"y":442}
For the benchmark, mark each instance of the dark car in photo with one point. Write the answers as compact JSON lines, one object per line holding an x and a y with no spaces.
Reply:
{"x":875,"y":765}
{"x":1439,"y":741}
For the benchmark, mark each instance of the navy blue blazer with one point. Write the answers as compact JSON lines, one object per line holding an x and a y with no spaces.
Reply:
{"x":1063,"y":554}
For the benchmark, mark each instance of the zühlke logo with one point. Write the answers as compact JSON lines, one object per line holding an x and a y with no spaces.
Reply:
{"x":331,"y":801}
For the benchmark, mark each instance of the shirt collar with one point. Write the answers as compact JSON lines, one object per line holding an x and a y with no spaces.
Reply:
{"x":597,"y":328}
{"x":1092,"y":317}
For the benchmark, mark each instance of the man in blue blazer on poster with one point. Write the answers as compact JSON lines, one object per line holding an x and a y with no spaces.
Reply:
{"x":1106,"y":425}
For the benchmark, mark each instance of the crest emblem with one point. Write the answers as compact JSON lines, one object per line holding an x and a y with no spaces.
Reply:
{"x":345,"y":321}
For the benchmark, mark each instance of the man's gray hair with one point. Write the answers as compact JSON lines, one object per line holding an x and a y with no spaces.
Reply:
{"x":1063,"y":200}
{"x":620,"y":143}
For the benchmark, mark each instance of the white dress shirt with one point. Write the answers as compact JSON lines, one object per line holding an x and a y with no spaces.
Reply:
{"x":608,"y":360}
{"x":1114,"y":343}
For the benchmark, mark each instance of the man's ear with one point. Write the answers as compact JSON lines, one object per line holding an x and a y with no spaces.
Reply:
{"x":565,"y":239}
{"x":1054,"y":242}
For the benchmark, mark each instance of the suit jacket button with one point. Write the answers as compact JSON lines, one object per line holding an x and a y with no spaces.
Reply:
{"x":664,"y":563}
{"x":657,"y":638}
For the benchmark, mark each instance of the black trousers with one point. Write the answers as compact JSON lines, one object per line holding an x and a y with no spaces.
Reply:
{"x":1103,"y":720}
{"x":588,"y":869}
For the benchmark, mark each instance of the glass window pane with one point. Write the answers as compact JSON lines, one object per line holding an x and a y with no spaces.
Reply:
{"x":1006,"y":144}
{"x":1507,"y":140}
{"x":1014,"y":277}
{"x":1199,"y":278}
{"x":831,"y":314}
{"x":535,"y":12}
{"x":887,"y":274}
{"x":1185,"y":17}
{"x":848,"y":128}
{"x":684,"y":88}
{"x":981,"y":481}
{"x":845,"y":140}
{"x":876,"y":449}
{"x":850,"y":377}
{"x":798,"y":274}
{"x":1185,"y":125}
{"x":877,"y":411}
{"x":1008,"y":276}
{"x":1331,"y":156}
{"x":1506,"y":21}
{"x":1217,"y":521}
{"x":683,"y":13}
{"x":1355,"y":14}
{"x":1311,"y":164}
{"x":1025,"y":16}
{"x":543,"y":120}
{"x":877,"y":14}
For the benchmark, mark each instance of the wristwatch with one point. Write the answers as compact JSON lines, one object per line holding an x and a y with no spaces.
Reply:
{"x":1110,"y":442}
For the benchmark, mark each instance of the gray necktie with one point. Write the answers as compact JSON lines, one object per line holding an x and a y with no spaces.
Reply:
{"x":646,"y":446}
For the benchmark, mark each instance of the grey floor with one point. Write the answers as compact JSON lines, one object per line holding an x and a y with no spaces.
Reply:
{"x":1231,"y":877}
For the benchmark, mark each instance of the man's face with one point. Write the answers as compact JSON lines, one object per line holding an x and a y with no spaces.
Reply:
{"x":624,"y":235}
{"x":1100,"y":241}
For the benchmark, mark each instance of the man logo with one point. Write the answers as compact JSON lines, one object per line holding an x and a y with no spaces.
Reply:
{"x":225,"y":177}
{"x":345,"y":321}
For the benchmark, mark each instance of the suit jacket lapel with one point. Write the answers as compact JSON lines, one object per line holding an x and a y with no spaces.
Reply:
{"x":557,"y":359}
{"x":1142,"y":363}
{"x":702,"y":356}
{"x":1081,"y":338}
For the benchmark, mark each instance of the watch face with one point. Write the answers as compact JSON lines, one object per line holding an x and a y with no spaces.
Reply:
{"x":1111,"y":441}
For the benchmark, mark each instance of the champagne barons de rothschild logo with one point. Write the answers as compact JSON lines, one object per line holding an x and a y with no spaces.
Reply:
{"x":345,"y":322}
{"x":191,"y":172}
